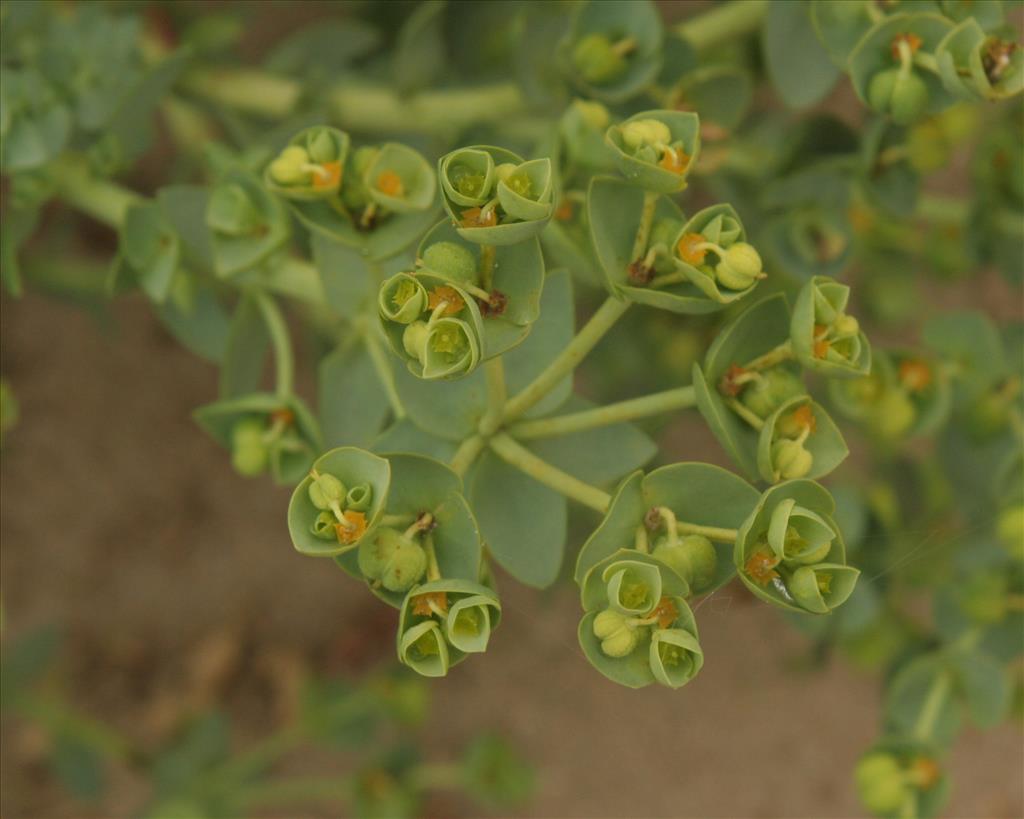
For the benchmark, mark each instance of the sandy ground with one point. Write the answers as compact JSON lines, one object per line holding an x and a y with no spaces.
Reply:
{"x":178,"y":587}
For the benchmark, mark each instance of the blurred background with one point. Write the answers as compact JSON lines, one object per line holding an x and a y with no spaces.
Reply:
{"x":165,"y":641}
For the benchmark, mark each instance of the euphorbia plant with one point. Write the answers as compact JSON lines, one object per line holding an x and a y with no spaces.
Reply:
{"x":437,"y":244}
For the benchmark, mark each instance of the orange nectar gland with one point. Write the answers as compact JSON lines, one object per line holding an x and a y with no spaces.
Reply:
{"x":390,"y":184}
{"x":421,"y":603}
{"x":915,"y":374}
{"x":475,"y":217}
{"x":730,"y":385}
{"x":909,"y":38}
{"x":803,"y":417}
{"x":689,"y":250}
{"x":329,"y":180}
{"x":563,"y":213}
{"x":352,"y":529}
{"x":675,"y":161}
{"x":443,"y":294}
{"x":925,"y":772}
{"x":283,"y":416}
{"x":821,"y":344}
{"x":666,"y":612}
{"x":760,"y":567}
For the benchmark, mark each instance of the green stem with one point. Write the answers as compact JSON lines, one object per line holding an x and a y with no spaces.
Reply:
{"x":283,"y":360}
{"x":567,"y":360}
{"x":466,"y":454}
{"x":249,"y":90}
{"x":710,"y":532}
{"x":104,"y":201}
{"x":923,"y":59}
{"x":783,"y":352}
{"x":746,"y":414}
{"x":433,"y":570}
{"x":382,"y":366}
{"x":934,"y":700}
{"x":260,"y":756}
{"x":497,"y":394}
{"x":722,"y":24}
{"x":643,"y":231}
{"x":518,"y":456}
{"x":659,"y":402}
{"x":397,"y":521}
{"x":487,"y":255}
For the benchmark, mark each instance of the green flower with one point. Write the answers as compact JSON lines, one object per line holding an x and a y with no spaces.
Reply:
{"x":311,"y":166}
{"x":424,"y":650}
{"x":692,"y":557}
{"x":616,"y":632}
{"x":825,"y":338}
{"x":675,"y":656}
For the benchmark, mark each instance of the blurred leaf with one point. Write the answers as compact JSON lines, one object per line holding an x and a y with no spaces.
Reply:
{"x":353,"y":403}
{"x":78,"y":766}
{"x":246,"y":350}
{"x":799,"y":66}
{"x":26,"y":659}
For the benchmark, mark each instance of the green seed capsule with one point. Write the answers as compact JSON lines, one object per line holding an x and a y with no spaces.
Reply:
{"x":766,"y":394}
{"x":618,"y":638}
{"x":693,"y":558}
{"x":902,"y":95}
{"x":248,"y":451}
{"x":596,"y":60}
{"x":893,"y":414}
{"x":288,"y":169}
{"x":881,"y":783}
{"x":791,"y":459}
{"x":390,"y":557}
{"x":325,"y":490}
{"x":451,"y":260}
{"x":739,"y":267}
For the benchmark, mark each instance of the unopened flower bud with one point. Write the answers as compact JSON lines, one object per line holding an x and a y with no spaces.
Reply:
{"x":902,"y":95}
{"x":596,"y":60}
{"x":739,"y":267}
{"x":845,"y":326}
{"x":248,"y":450}
{"x":325,"y":490}
{"x":618,"y":638}
{"x":451,"y":260}
{"x":640,"y":132}
{"x":323,"y":526}
{"x":791,"y":459}
{"x":881,"y":783}
{"x":594,"y":114}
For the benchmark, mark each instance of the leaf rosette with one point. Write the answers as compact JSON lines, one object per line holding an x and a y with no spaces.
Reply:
{"x":493,"y":196}
{"x":658,"y":511}
{"x":443,"y":621}
{"x":432,"y":522}
{"x":613,"y":48}
{"x":790,"y":552}
{"x":825,"y":338}
{"x":432,"y":324}
{"x":638,"y":628}
{"x":338,"y":502}
{"x":656,"y":150}
{"x":264,"y":432}
{"x":507,"y":283}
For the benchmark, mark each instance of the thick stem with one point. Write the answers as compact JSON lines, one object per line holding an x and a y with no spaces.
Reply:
{"x":466,"y":454}
{"x":783,"y":352}
{"x":643,"y":231}
{"x":249,"y":90}
{"x":935,"y":699}
{"x":722,"y":24}
{"x":710,"y":532}
{"x":382,"y":366}
{"x":516,"y":454}
{"x":497,"y":394}
{"x":487,"y":254}
{"x":104,"y":201}
{"x":747,"y":415}
{"x":659,"y":402}
{"x":433,"y":570}
{"x":566,"y":361}
{"x":283,"y":361}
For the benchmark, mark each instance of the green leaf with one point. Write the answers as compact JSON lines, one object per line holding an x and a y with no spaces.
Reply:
{"x":353,"y":403}
{"x":798,"y":64}
{"x":202,"y":744}
{"x":970,"y":341}
{"x":346,"y":277}
{"x":522,"y":522}
{"x":151,"y":248}
{"x":78,"y":765}
{"x":985,"y":686}
{"x":246,"y":350}
{"x":419,"y":57}
{"x":26,"y":659}
{"x":405,"y":436}
{"x":908,"y":693}
{"x":198,"y":320}
{"x":721,"y":93}
{"x":839,"y":25}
